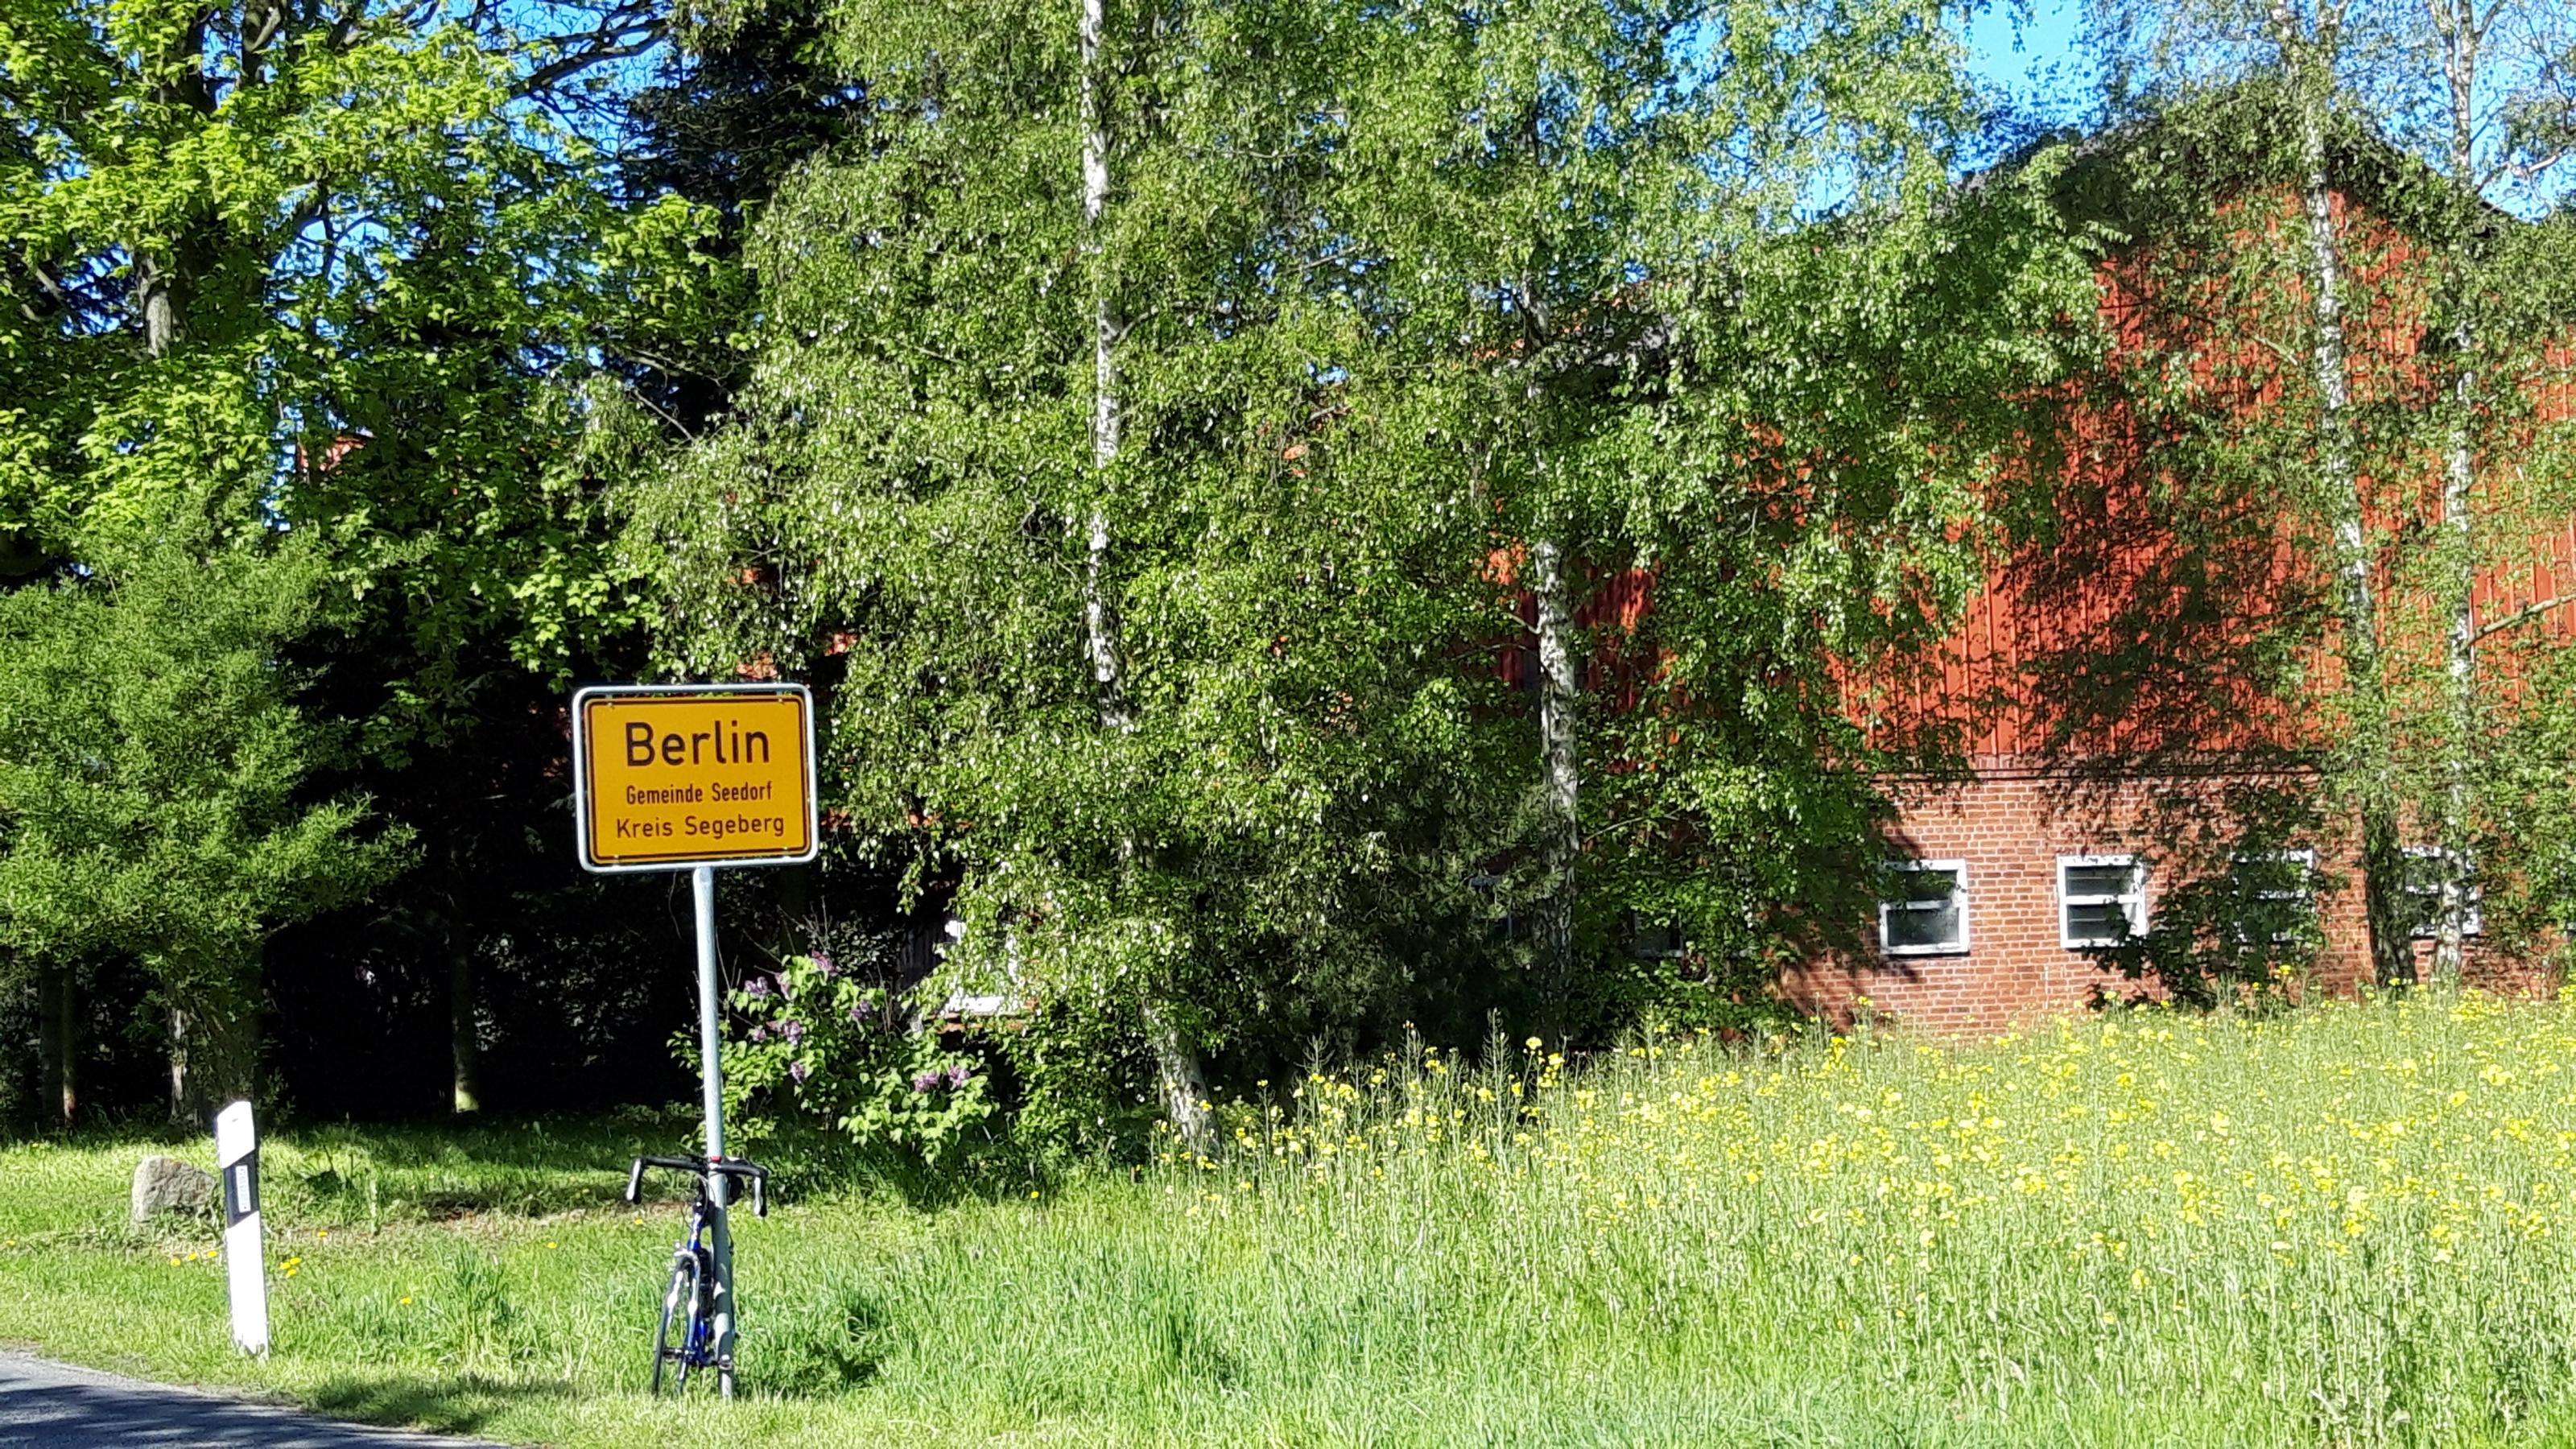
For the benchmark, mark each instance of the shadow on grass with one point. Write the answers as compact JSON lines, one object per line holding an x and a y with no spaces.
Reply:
{"x":458,"y":1405}
{"x":538,"y":1165}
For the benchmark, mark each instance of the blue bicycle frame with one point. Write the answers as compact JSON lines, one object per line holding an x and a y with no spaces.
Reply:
{"x":698,"y":1270}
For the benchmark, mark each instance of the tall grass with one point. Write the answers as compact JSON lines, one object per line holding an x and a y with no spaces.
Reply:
{"x":2345,"y":1226}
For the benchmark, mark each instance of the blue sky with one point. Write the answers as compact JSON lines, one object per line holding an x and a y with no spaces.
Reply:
{"x":2035,"y":59}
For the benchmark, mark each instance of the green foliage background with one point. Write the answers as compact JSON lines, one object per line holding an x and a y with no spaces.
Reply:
{"x":371,"y":375}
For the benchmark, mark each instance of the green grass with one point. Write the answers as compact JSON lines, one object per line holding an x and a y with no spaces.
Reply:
{"x":2347,"y":1226}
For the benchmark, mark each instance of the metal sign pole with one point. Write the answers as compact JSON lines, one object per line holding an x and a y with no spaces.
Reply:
{"x":696,"y":776}
{"x":702,"y":881}
{"x":245,"y":1252}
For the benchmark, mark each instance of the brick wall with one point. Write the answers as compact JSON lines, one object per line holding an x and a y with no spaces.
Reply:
{"x":2009,"y":826}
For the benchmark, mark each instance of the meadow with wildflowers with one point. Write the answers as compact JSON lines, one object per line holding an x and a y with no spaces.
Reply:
{"x":2348,"y":1225}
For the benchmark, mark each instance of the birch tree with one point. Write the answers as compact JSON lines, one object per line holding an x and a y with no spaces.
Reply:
{"x":2403,"y":135}
{"x":1033,"y":470}
{"x":2501,"y":79}
{"x":1677,"y":294}
{"x":1163,"y":420}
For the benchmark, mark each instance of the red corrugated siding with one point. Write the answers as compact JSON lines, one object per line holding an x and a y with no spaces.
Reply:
{"x":2075,"y":605}
{"x":1992,"y":678}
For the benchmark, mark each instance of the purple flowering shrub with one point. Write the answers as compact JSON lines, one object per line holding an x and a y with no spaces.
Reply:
{"x":809,"y":1041}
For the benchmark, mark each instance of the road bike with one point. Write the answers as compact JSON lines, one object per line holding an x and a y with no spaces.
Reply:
{"x":690,"y":1336}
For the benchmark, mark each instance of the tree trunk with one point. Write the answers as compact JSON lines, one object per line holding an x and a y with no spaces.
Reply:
{"x":2392,"y":950}
{"x":2458,"y":572}
{"x":165,"y":280}
{"x":57,"y":1046}
{"x":1559,"y":781}
{"x":2383,"y":899}
{"x":1100,"y":624}
{"x":1183,"y":1082}
{"x":214,"y":1052}
{"x":2457,"y":22}
{"x":1176,"y":1057}
{"x":464,"y":1051}
{"x":160,"y":304}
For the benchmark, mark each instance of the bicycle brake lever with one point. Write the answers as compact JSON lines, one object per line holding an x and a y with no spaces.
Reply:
{"x":635,"y":1181}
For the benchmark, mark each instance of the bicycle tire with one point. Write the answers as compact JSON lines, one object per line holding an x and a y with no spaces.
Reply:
{"x":681,"y":1301}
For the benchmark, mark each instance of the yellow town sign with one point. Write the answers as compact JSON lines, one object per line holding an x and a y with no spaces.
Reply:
{"x":666,"y":777}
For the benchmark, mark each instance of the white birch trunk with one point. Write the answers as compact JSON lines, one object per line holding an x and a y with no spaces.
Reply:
{"x":2457,"y":20}
{"x":2460,"y":666}
{"x":2392,"y":950}
{"x":1560,"y":777}
{"x":1100,"y":628}
{"x":1183,"y":1081}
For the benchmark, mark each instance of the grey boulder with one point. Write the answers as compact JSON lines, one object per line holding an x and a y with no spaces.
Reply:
{"x":168,"y":1185}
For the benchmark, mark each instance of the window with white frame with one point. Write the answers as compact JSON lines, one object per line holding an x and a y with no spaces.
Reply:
{"x":2101,"y":900}
{"x":2427,"y":866}
{"x":1923,"y":908}
{"x":2275,"y":895}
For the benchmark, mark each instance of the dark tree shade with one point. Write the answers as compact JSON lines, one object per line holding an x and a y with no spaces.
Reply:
{"x":725,"y":121}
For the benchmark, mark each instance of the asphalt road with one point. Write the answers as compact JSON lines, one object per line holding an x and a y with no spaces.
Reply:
{"x":57,"y":1406}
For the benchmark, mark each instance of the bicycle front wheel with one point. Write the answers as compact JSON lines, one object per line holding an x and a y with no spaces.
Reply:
{"x":676,"y":1340}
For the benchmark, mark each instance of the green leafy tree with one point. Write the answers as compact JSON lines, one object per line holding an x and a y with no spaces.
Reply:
{"x":228,"y":223}
{"x":153,"y":770}
{"x":1678,"y":299}
{"x":1145,"y":419}
{"x":742,"y":96}
{"x":2538,"y":811}
{"x":2500,"y":76}
{"x":1016,"y":470}
{"x":366,"y":269}
{"x":2373,"y":372}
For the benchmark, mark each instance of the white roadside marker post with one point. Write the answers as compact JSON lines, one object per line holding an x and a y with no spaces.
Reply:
{"x":245,"y":1252}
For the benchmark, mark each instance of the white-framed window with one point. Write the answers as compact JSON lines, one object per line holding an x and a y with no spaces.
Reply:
{"x":2422,"y":886}
{"x":2276,"y":895}
{"x":1923,"y":908}
{"x":2101,"y":900}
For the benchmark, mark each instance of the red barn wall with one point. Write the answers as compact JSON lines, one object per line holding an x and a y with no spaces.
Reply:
{"x":1999,"y":685}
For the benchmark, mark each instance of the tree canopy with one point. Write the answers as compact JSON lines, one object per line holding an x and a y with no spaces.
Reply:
{"x":1306,"y":521}
{"x":153,"y":788}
